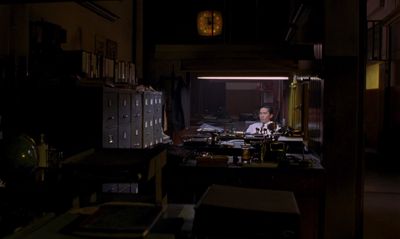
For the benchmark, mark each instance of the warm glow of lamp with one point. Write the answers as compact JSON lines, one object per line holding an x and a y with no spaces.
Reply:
{"x":209,"y":23}
{"x":372,"y":79}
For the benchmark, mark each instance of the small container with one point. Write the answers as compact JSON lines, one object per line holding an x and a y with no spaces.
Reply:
{"x":43,"y":153}
{"x":245,"y":153}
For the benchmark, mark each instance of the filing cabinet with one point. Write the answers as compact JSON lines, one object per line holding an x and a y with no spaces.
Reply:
{"x":148,"y":121}
{"x":117,"y":128}
{"x":124,"y":119}
{"x":157,"y":117}
{"x":92,"y":116}
{"x":110,"y":118}
{"x":152,"y":118}
{"x":137,"y":117}
{"x":131,"y":119}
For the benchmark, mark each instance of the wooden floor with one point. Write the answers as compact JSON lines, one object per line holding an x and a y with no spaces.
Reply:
{"x":381,"y":201}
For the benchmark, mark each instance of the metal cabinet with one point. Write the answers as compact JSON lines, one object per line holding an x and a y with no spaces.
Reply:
{"x":157,"y":118}
{"x":148,"y":124}
{"x":137,"y":117}
{"x":124,"y":119}
{"x":116,"y":118}
{"x":131,"y":119}
{"x":88,"y":116}
{"x":110,"y":118}
{"x":152,"y":118}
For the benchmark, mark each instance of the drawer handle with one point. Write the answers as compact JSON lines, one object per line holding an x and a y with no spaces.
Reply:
{"x":110,"y":139}
{"x":111,"y":118}
{"x":125,"y":116}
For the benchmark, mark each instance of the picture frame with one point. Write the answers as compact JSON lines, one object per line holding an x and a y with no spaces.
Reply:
{"x":111,"y":49}
{"x":99,"y":45}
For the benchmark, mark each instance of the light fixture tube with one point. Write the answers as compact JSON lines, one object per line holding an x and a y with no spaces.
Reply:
{"x":99,"y":10}
{"x":243,"y":78}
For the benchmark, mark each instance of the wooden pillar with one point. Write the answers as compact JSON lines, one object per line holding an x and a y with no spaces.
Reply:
{"x":139,"y":39}
{"x":344,"y":69}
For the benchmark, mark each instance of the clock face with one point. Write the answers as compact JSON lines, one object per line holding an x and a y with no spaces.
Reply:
{"x":209,"y":23}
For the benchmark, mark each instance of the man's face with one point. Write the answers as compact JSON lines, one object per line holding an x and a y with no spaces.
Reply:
{"x":264,"y":115}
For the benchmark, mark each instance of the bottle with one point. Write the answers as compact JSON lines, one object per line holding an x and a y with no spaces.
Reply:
{"x":43,"y":153}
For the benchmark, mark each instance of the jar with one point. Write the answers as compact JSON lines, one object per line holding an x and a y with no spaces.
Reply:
{"x":245,"y":153}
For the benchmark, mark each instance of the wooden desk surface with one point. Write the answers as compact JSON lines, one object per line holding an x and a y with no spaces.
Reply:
{"x":52,"y":226}
{"x":113,"y":157}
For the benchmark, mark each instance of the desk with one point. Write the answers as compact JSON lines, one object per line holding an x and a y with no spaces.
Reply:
{"x":91,"y":169}
{"x":52,"y":226}
{"x":187,"y":182}
{"x":233,"y":146}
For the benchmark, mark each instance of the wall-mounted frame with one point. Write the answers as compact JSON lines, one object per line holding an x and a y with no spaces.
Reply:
{"x":111,"y":49}
{"x":99,"y":45}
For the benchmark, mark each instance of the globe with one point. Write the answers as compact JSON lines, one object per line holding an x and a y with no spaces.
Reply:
{"x":21,"y":153}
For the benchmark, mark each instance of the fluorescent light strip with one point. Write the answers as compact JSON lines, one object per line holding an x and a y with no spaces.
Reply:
{"x":243,"y":78}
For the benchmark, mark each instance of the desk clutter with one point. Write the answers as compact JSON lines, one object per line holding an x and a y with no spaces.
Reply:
{"x":212,"y":160}
{"x":218,"y":146}
{"x":234,"y":149}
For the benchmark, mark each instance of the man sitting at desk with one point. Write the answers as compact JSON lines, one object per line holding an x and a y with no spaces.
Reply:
{"x":263,"y":127}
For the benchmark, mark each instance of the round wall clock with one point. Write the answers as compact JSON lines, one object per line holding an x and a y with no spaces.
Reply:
{"x":209,"y":23}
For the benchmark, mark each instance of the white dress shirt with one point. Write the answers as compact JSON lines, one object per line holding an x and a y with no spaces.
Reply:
{"x":252,"y":129}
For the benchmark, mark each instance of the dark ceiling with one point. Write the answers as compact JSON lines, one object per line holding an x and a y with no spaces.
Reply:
{"x":48,"y":1}
{"x":245,"y":21}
